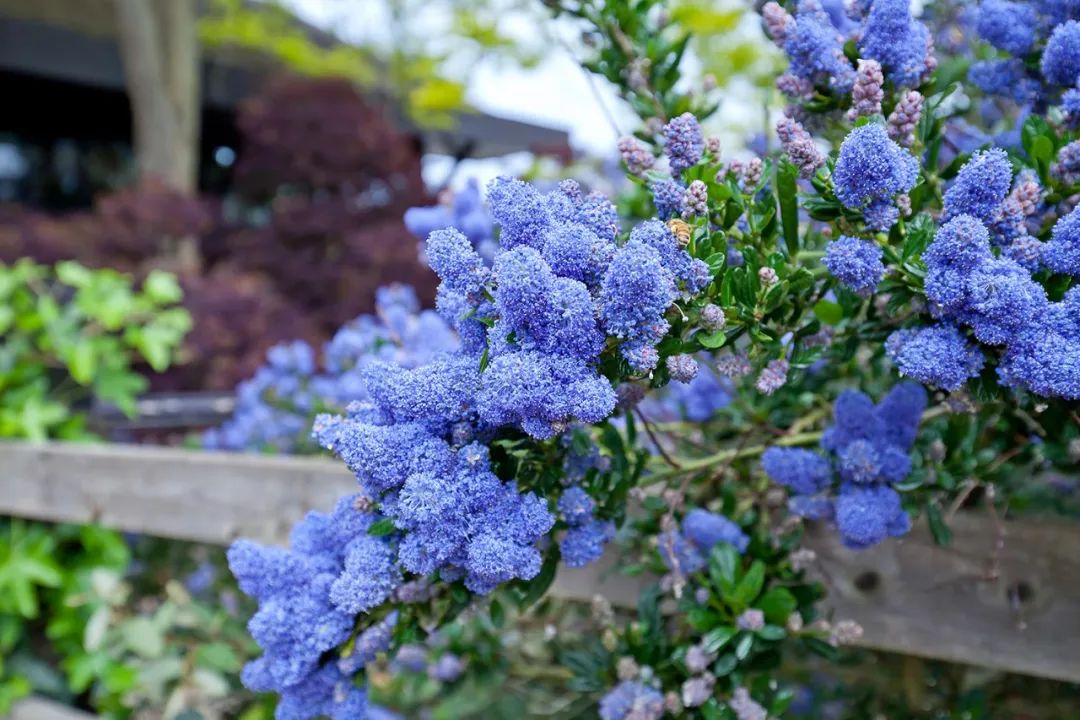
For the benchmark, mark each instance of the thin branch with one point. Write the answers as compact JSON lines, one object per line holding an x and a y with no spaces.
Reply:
{"x":660,"y":448}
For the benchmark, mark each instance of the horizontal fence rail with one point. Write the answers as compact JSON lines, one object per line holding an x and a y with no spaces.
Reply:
{"x":1006,"y":597}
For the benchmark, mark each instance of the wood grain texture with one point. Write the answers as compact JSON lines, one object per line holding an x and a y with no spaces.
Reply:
{"x":34,"y":708}
{"x":910,"y":595}
{"x":914,"y":597}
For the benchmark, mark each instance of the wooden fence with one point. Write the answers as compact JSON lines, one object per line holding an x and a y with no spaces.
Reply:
{"x":1015,"y":607}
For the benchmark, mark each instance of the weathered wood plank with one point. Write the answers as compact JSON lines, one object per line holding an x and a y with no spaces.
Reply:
{"x":909,"y":595}
{"x":34,"y":708}
{"x":912,"y":596}
{"x":173,"y":493}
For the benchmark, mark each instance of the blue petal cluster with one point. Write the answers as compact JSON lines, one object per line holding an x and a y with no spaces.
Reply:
{"x":937,"y":355}
{"x":299,"y":617}
{"x":855,"y":262}
{"x":980,"y":187}
{"x":586,"y":535}
{"x":1007,"y":25}
{"x":686,"y":550}
{"x":641,"y":283}
{"x":994,"y":295}
{"x":631,"y":700}
{"x":463,"y":210}
{"x":866,"y":452}
{"x":1062,"y":253}
{"x":872,"y":170}
{"x":275,"y":407}
{"x":816,"y":49}
{"x":1061,"y":58}
{"x":901,"y":44}
{"x":684,"y":143}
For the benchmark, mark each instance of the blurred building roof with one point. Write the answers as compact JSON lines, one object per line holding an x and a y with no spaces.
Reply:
{"x":73,"y":41}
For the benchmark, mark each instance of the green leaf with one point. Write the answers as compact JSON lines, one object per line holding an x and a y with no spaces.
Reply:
{"x":750,"y":585}
{"x":218,"y":656}
{"x":777,"y":604}
{"x":143,"y":637}
{"x":786,"y":176}
{"x":743,"y":647}
{"x":83,"y":362}
{"x":540,"y":584}
{"x":725,"y":665}
{"x":162,"y":287}
{"x":714,"y":640}
{"x":381,"y":527}
{"x":498,"y":614}
{"x":941,"y":532}
{"x":711,"y":340}
{"x":828,"y":312}
{"x":723,"y":567}
{"x":772,"y":632}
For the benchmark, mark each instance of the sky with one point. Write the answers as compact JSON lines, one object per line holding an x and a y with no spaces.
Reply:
{"x":556,"y":93}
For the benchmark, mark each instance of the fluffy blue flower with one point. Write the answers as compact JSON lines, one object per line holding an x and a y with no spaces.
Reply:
{"x":816,"y":49}
{"x":543,"y":393}
{"x":981,"y":186}
{"x":466,"y":212}
{"x":298,"y":619}
{"x":576,"y":506}
{"x":667,"y":197}
{"x":324,"y":693}
{"x":960,"y":247}
{"x":1062,"y":253}
{"x":1061,"y":57}
{"x":872,"y":168}
{"x":803,"y":471}
{"x":866,"y":515}
{"x":939,"y":355}
{"x":632,"y":701}
{"x":897,"y":41}
{"x":684,"y":550}
{"x":1007,"y":25}
{"x":1044,"y":356}
{"x":519,"y":210}
{"x":855,"y":262}
{"x":705,"y":529}
{"x":1002,"y":298}
{"x":683,"y":142}
{"x":1005,"y":77}
{"x":454,"y":260}
{"x":369,"y":575}
{"x":585,"y":542}
{"x":1025,"y":251}
{"x":636,"y":292}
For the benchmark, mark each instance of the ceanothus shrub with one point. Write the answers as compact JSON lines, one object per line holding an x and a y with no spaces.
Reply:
{"x":685,"y":384}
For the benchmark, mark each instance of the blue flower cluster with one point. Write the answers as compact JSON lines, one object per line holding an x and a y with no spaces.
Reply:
{"x":631,"y":700}
{"x":463,"y":210}
{"x":870,"y":172}
{"x":457,"y":516}
{"x":815,"y":48}
{"x":967,"y":284}
{"x":275,"y":407}
{"x":855,"y":262}
{"x":684,"y":143}
{"x":1019,"y":28}
{"x":560,"y":287}
{"x":866,"y":452}
{"x":686,"y":550}
{"x":304,"y":614}
{"x":586,"y":535}
{"x":899,"y":43}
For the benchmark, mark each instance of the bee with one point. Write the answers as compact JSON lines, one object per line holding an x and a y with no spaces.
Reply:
{"x":680,"y":230}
